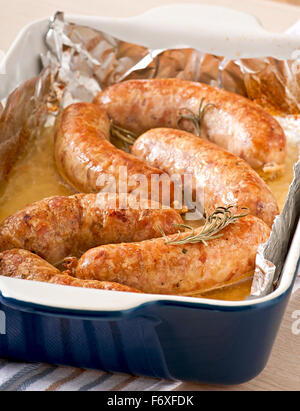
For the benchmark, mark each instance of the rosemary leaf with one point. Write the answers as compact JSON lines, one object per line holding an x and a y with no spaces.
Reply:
{"x":214,"y":224}
{"x":196,"y":119}
{"x":122,"y":134}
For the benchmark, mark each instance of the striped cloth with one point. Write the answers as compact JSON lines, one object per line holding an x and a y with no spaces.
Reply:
{"x":17,"y":376}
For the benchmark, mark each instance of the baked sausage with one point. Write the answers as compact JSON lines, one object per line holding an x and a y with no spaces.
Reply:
{"x":153,"y":266}
{"x":84,"y":155}
{"x":233,"y":122}
{"x":14,"y":128}
{"x":224,"y":178}
{"x":57,"y":227}
{"x":25,"y":111}
{"x":24,"y":265}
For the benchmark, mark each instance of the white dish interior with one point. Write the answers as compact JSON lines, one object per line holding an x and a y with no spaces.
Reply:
{"x":22,"y":62}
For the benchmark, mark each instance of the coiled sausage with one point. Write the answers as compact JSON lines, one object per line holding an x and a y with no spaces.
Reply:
{"x":57,"y":227}
{"x":153,"y":266}
{"x":89,"y":162}
{"x":224,"y":178}
{"x":232,"y":121}
{"x":22,"y":264}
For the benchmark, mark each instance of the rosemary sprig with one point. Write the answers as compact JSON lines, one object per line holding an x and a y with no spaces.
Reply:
{"x":196,"y":119}
{"x":122,"y":134}
{"x":214,"y":224}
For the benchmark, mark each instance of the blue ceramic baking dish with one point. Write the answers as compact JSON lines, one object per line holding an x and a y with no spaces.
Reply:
{"x":183,"y":338}
{"x":160,"y":336}
{"x":165,"y":338}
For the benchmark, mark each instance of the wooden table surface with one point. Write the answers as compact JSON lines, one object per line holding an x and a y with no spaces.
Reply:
{"x":283,"y":369}
{"x":290,"y":2}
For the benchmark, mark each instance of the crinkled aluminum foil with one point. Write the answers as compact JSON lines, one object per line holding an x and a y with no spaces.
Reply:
{"x":82,"y":61}
{"x":267,"y":274}
{"x":25,"y":112}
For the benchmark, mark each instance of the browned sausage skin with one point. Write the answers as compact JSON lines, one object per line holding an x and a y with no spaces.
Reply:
{"x":234,"y":122}
{"x":57,"y":227}
{"x":84,"y":155}
{"x":14,"y":127}
{"x":156,"y":267}
{"x":225,"y":179}
{"x":24,"y":265}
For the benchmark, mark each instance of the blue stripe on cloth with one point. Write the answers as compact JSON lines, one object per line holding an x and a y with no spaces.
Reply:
{"x":45,"y":383}
{"x":20,"y":374}
{"x":25,"y":384}
{"x":23,"y":377}
{"x":93,"y":384}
